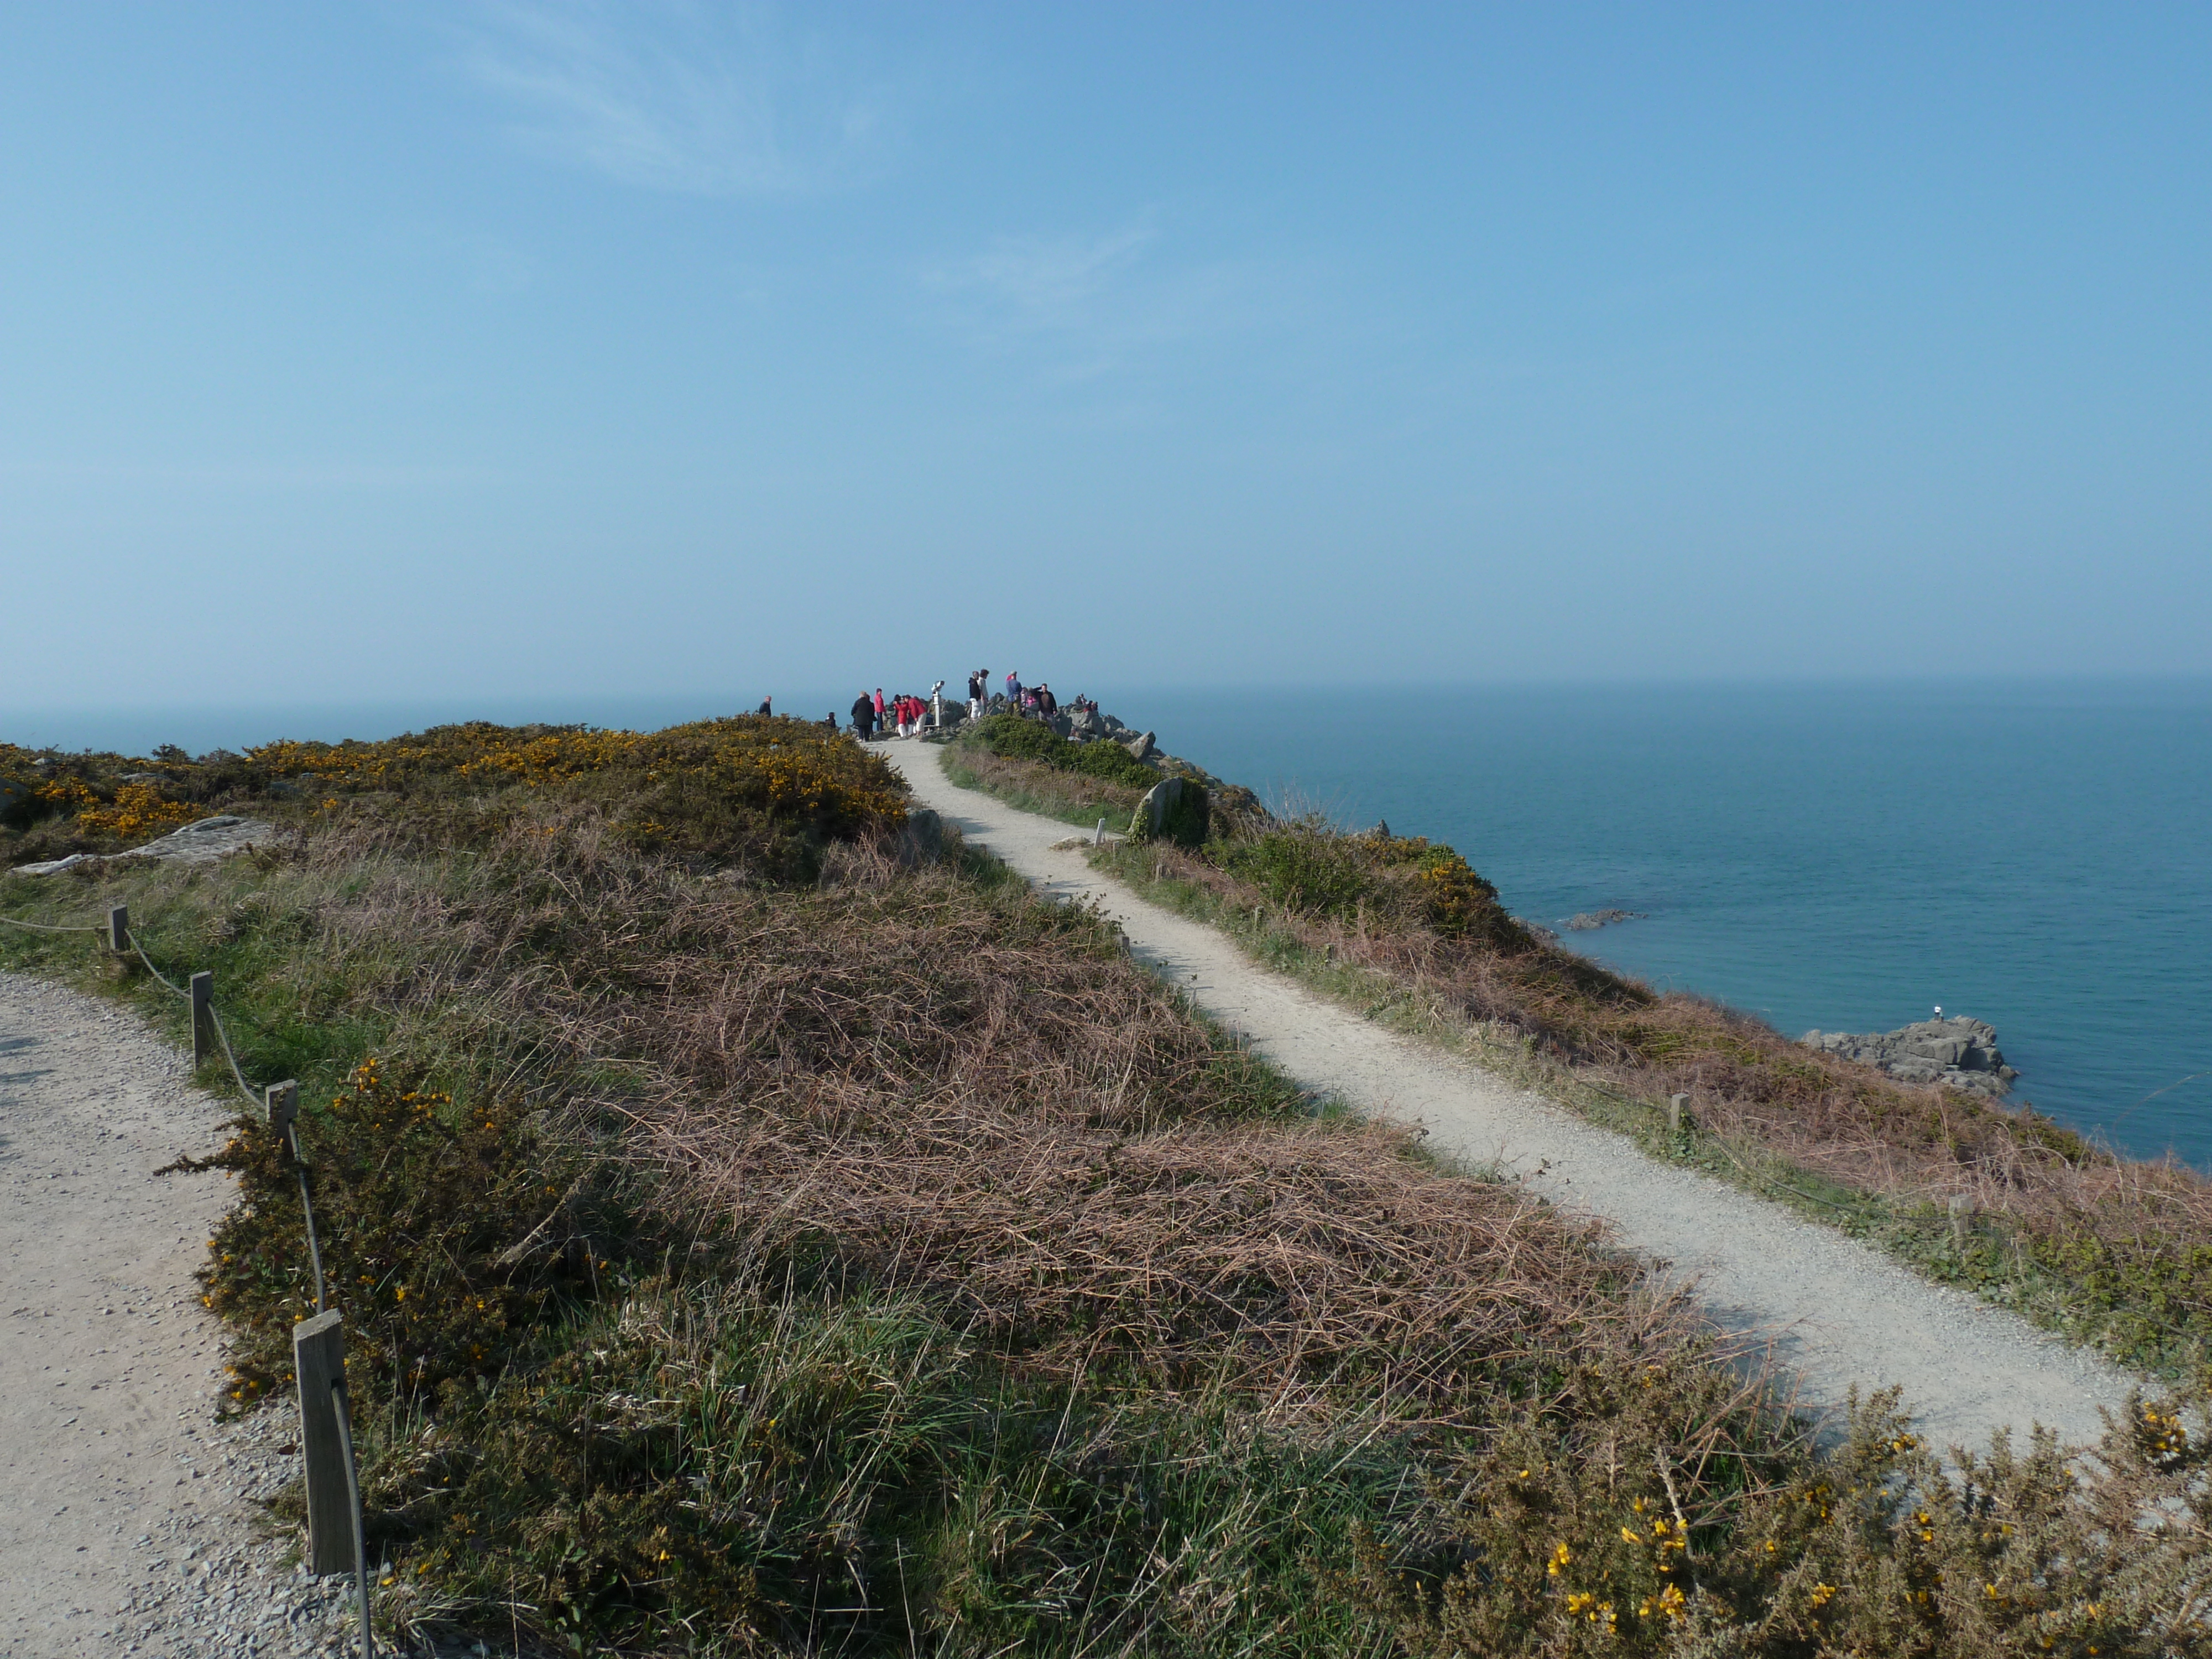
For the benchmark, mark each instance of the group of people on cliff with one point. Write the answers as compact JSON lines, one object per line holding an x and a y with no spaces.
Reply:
{"x":906,"y":715}
{"x":1035,"y":701}
{"x":902,"y":713}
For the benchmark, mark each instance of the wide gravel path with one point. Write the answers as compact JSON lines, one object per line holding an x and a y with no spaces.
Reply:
{"x":1837,"y":1313}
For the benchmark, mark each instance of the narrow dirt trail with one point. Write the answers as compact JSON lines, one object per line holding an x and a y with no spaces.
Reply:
{"x":126,"y":1519}
{"x":1837,"y":1313}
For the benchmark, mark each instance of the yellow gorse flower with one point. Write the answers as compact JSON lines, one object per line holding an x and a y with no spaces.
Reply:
{"x":782,"y":765}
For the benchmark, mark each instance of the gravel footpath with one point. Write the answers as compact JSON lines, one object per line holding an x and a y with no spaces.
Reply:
{"x":1836,"y":1312}
{"x":132,"y":1519}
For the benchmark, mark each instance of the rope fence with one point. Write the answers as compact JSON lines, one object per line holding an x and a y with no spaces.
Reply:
{"x":336,"y":1539}
{"x":48,"y":927}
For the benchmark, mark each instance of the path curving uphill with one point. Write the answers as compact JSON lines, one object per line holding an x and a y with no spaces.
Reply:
{"x":1837,"y":1313}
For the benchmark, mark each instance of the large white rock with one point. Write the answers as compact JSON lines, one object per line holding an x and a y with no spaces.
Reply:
{"x":196,"y":843}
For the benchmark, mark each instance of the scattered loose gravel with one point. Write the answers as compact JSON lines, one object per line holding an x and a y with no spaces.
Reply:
{"x":132,"y":1518}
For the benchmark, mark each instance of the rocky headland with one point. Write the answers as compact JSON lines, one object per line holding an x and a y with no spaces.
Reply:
{"x":1958,"y":1051}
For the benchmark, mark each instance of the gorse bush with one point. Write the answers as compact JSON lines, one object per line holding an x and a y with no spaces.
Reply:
{"x":764,"y":791}
{"x":1012,"y":738}
{"x":51,"y":803}
{"x":1645,"y":1529}
{"x":766,"y":787}
{"x":447,"y":1232}
{"x":1309,"y":867}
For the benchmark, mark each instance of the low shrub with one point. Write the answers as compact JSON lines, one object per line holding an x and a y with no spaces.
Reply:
{"x":1310,"y":867}
{"x":1303,"y":866}
{"x":1637,"y":1523}
{"x":447,"y":1233}
{"x":766,"y":791}
{"x":1012,"y":738}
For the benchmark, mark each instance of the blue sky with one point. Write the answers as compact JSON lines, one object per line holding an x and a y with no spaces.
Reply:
{"x":392,"y":350}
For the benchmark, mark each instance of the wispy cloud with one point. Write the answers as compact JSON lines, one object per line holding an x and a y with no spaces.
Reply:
{"x":1048,"y":283}
{"x":673,"y":97}
{"x":1099,"y":300}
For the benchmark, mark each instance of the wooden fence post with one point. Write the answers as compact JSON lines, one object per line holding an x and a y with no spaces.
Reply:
{"x":1677,"y":1112}
{"x":118,"y":929}
{"x":1962,"y":1217}
{"x":1099,"y":834}
{"x":203,"y":987}
{"x":319,"y":1356}
{"x":281,"y":1105}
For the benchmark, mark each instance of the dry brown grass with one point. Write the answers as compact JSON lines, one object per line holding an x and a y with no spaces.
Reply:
{"x":1284,"y":1260}
{"x":901,"y":1081}
{"x":2124,"y":1246}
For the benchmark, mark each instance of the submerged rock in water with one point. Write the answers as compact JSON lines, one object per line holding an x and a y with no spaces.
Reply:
{"x":1588,"y":920}
{"x":1960,"y":1052}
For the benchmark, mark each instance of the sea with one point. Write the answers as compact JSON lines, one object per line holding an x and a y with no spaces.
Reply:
{"x":1848,"y":857}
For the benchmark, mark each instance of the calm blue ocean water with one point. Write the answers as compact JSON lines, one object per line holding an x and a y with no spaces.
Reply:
{"x":2037,"y":855}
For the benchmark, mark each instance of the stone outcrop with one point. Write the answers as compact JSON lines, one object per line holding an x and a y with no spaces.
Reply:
{"x":1958,"y":1052}
{"x":1588,"y":920}
{"x":1174,"y":809}
{"x":196,"y":843}
{"x":1141,"y":746}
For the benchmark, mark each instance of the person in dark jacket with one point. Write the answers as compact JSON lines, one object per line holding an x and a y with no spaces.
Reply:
{"x":1047,"y":705}
{"x":864,"y":716}
{"x":764,"y":708}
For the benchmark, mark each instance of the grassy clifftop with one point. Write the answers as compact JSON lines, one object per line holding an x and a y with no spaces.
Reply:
{"x":761,"y":1230}
{"x":2111,"y":1251}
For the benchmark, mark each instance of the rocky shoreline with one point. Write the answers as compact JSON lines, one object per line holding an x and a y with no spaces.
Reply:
{"x":1958,"y":1052}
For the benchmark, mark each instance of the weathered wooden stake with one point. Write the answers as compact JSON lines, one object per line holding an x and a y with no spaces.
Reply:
{"x":202,"y":989}
{"x":1962,"y":1217}
{"x":1677,"y":1112}
{"x":280,"y":1105}
{"x":1099,"y":834}
{"x":118,"y":929}
{"x":319,"y":1355}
